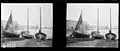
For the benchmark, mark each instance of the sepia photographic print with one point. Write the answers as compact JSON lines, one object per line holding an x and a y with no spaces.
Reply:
{"x":26,"y":25}
{"x":92,"y":25}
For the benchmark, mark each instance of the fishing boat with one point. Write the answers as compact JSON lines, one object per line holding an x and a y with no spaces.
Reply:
{"x":40,"y":35}
{"x":96,"y":34}
{"x":78,"y":33}
{"x":110,"y":35}
{"x":25,"y":34}
{"x":8,"y":31}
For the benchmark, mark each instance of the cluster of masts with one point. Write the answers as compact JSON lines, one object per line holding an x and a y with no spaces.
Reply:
{"x":28,"y":20}
{"x":98,"y":21}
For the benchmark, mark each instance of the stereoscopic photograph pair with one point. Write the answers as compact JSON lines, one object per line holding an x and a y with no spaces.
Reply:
{"x":87,"y":25}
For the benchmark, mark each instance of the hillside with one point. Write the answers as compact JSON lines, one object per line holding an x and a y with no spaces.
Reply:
{"x":15,"y":24}
{"x":70,"y":24}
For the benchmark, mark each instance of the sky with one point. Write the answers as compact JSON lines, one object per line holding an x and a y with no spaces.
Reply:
{"x":19,"y":13}
{"x":90,"y":12}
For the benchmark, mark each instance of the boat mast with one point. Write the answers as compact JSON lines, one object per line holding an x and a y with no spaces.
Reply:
{"x":40,"y":20}
{"x":82,"y":21}
{"x":98,"y":21}
{"x":27,"y":20}
{"x":110,"y":21}
{"x":13,"y":29}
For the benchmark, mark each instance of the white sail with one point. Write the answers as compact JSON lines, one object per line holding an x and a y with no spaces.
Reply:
{"x":79,"y":26}
{"x":9,"y":25}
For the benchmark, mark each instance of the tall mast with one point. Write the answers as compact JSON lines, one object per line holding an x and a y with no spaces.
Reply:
{"x":40,"y":19}
{"x":11,"y":19}
{"x":13,"y":30}
{"x":82,"y":21}
{"x":98,"y":21}
{"x":27,"y":20}
{"x":110,"y":21}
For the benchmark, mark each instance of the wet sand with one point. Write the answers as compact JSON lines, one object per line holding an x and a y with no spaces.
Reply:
{"x":28,"y":43}
{"x":95,"y":43}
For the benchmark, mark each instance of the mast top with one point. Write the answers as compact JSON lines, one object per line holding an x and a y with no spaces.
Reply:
{"x":81,"y":11}
{"x":11,"y":11}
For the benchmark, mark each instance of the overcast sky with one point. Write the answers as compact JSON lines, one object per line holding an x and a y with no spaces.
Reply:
{"x":19,"y":13}
{"x":90,"y":12}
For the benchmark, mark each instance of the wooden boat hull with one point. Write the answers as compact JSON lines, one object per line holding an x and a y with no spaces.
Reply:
{"x":80,"y":35}
{"x":98,"y":37}
{"x":110,"y":36}
{"x":41,"y":36}
{"x":73,"y":40}
{"x":10,"y":35}
{"x":28,"y":36}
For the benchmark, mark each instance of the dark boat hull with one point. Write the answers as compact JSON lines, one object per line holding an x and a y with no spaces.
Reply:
{"x":28,"y":36}
{"x":113,"y":36}
{"x":9,"y":35}
{"x":80,"y":35}
{"x":98,"y":37}
{"x":74,"y":40}
{"x":41,"y":36}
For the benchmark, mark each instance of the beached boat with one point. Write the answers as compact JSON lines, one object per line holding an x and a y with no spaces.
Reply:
{"x":8,"y":31}
{"x":96,"y":34}
{"x":110,"y":35}
{"x":40,"y":35}
{"x":78,"y":33}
